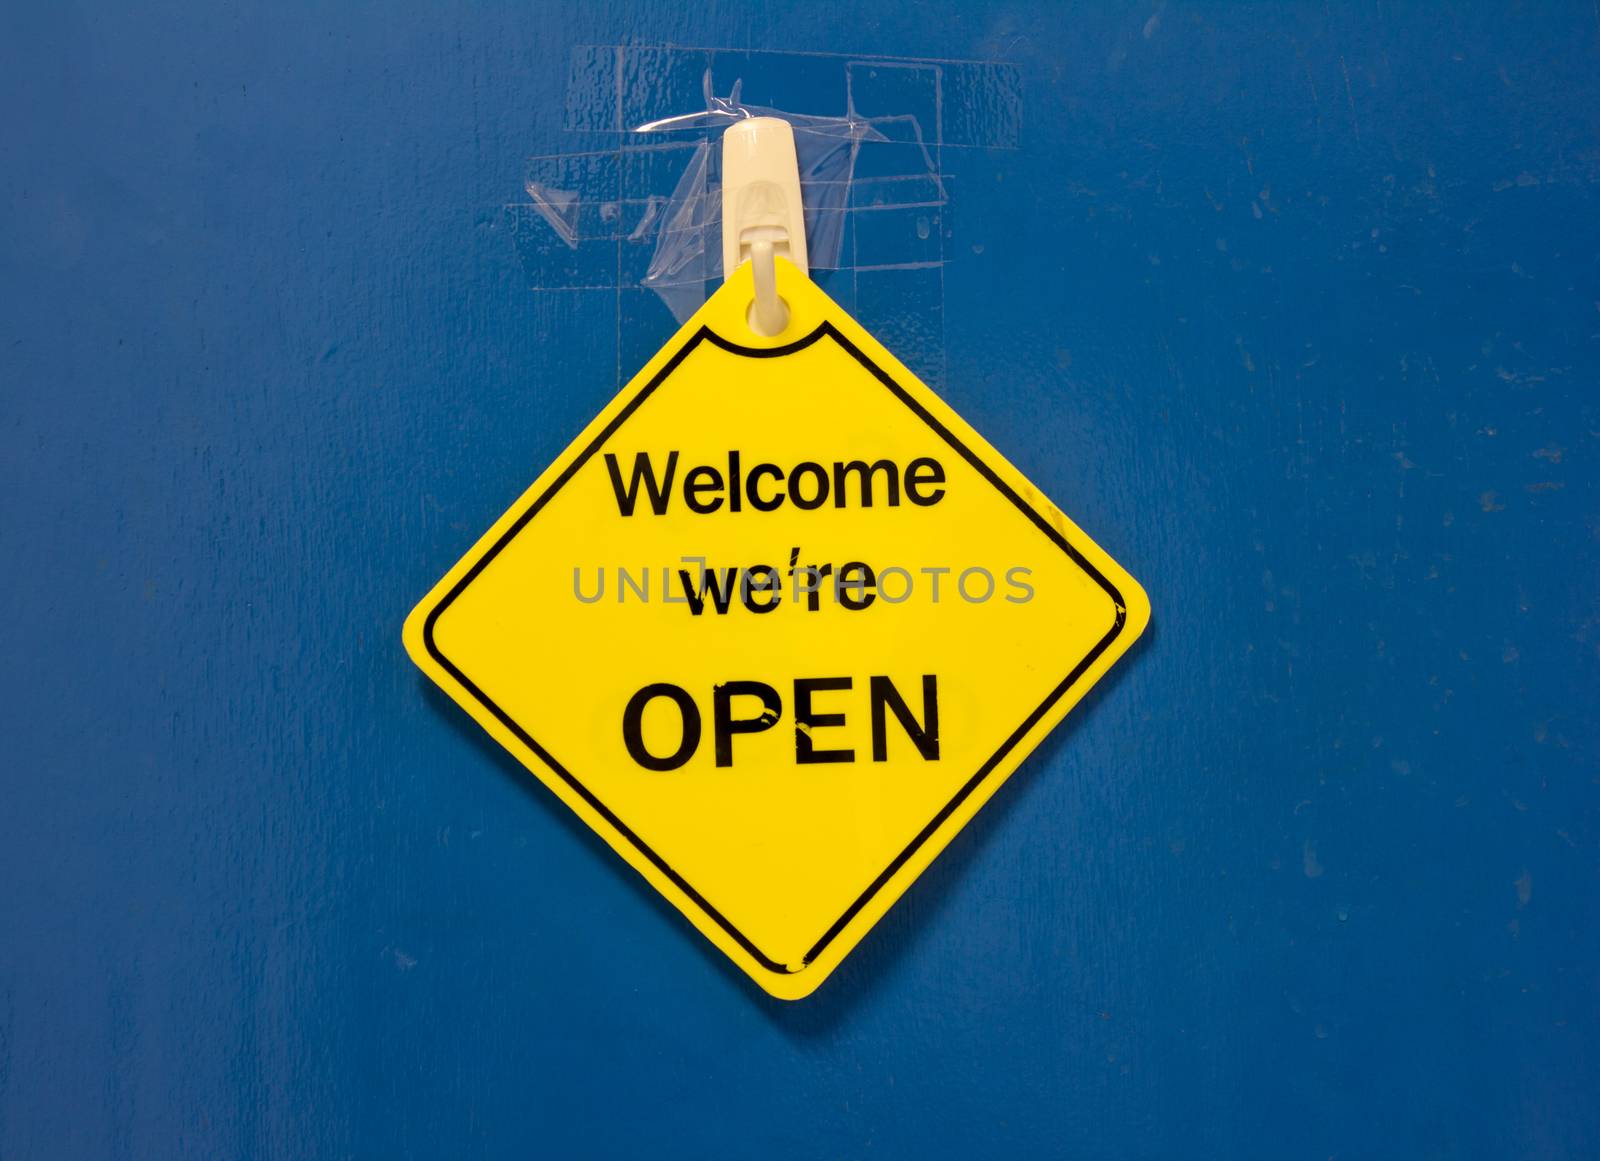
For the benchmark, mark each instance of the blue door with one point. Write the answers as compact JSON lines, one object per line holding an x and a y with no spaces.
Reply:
{"x":1295,"y":309}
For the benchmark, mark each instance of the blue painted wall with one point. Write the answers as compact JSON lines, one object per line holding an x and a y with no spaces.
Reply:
{"x":1294,"y":308}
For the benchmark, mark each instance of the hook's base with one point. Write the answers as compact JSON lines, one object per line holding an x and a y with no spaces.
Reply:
{"x":761,"y":212}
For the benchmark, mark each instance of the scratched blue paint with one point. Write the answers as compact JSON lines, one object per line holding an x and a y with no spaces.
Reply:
{"x":1292,"y":307}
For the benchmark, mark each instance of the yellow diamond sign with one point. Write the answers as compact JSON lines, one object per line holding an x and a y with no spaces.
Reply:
{"x":776,"y":625}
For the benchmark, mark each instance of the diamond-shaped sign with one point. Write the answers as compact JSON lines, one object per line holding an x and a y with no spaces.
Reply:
{"x":776,"y":625}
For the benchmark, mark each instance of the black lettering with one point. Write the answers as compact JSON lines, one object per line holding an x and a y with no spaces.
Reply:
{"x":633,"y":727}
{"x":924,"y":735}
{"x":768,"y":583}
{"x":924,"y":471}
{"x":645,"y":470}
{"x":756,"y":502}
{"x":805,"y":721}
{"x":809,"y":484}
{"x":814,"y":594}
{"x":725,"y":725}
{"x":702,"y":479}
{"x":864,"y":472}
{"x":856,"y":576}
{"x":814,"y":470}
{"x":721,"y":592}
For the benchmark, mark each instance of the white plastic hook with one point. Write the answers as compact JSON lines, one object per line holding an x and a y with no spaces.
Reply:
{"x":762,"y":215}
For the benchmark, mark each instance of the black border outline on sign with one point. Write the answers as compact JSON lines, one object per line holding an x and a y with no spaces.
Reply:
{"x":522,"y":735}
